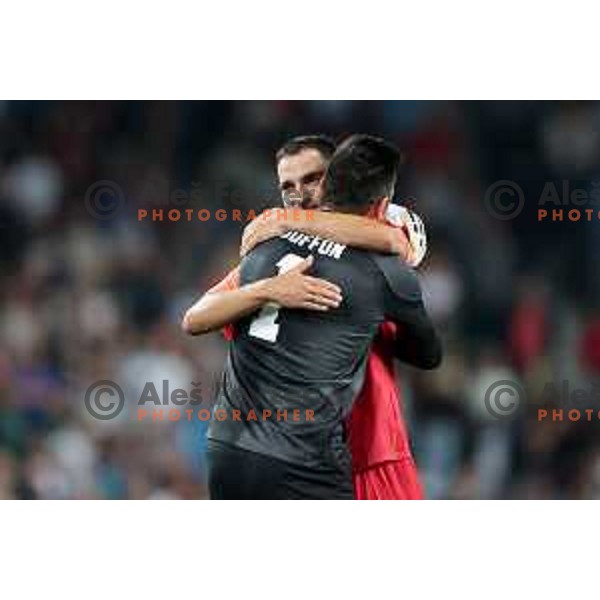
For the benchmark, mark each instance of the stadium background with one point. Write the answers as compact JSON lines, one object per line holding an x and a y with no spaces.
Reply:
{"x":89,"y":292}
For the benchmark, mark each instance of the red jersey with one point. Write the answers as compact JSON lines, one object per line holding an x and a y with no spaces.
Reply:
{"x":376,"y":429}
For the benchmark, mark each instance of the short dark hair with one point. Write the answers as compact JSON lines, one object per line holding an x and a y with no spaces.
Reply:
{"x":321,"y":143}
{"x":363,"y":169}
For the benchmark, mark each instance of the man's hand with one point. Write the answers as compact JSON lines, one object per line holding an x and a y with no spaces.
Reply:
{"x":267,"y":225}
{"x":295,"y":289}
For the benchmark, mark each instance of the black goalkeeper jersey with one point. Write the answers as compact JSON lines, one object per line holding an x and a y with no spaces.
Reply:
{"x":292,"y":375}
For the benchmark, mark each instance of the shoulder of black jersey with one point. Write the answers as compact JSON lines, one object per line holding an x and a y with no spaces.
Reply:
{"x":260,"y":261}
{"x":401,"y":278}
{"x":264,"y":249}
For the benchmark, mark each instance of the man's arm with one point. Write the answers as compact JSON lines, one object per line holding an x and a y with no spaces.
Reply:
{"x":350,"y":230}
{"x":417,"y":342}
{"x":220,"y":306}
{"x":227,"y":302}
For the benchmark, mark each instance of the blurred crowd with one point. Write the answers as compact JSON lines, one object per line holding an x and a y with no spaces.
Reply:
{"x":89,"y":292}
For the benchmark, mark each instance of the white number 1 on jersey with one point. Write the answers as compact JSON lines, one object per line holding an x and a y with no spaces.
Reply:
{"x":264,"y":326}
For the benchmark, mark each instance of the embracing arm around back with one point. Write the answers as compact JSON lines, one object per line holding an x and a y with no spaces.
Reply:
{"x":418,"y":343}
{"x":351,"y":230}
{"x":228,"y":301}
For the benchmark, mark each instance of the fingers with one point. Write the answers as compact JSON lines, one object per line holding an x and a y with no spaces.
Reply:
{"x":252,"y":236}
{"x":323,"y":301}
{"x":325,"y":295}
{"x":260,"y":230}
{"x":246,"y":246}
{"x":307,"y":305}
{"x":319,"y":284}
{"x":317,"y":294}
{"x":248,"y":239}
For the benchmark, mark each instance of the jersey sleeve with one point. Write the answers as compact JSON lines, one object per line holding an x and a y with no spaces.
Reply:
{"x":230,"y":282}
{"x":419,"y":343}
{"x":403,"y":300}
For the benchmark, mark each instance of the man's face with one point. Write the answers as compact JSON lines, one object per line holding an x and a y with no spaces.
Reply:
{"x":300,"y":176}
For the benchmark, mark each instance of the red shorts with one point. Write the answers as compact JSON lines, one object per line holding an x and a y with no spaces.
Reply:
{"x":392,"y":480}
